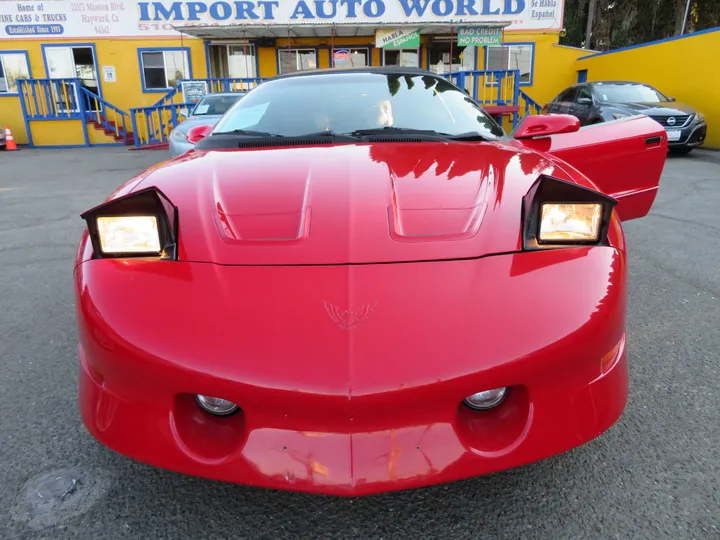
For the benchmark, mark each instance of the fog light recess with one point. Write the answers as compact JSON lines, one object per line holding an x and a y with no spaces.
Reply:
{"x":216,"y":406}
{"x":487,"y":399}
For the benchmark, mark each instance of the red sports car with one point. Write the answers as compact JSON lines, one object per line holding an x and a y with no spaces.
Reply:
{"x":357,"y":282}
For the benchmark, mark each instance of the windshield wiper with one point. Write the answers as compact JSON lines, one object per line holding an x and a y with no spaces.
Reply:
{"x":469,"y":136}
{"x":323,"y":133}
{"x":249,"y":133}
{"x":389,"y":130}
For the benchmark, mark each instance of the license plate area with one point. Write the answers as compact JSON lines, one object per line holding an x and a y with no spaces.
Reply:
{"x":673,"y":134}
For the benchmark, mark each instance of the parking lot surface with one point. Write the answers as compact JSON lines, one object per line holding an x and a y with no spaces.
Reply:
{"x":655,"y":474}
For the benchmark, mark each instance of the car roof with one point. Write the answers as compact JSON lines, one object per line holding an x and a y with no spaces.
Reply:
{"x":216,"y":94}
{"x":600,"y":83}
{"x":393,"y":70}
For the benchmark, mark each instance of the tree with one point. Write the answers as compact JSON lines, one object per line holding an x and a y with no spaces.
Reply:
{"x":619,"y":23}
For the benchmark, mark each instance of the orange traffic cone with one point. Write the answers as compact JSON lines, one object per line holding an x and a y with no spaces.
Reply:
{"x":9,"y":141}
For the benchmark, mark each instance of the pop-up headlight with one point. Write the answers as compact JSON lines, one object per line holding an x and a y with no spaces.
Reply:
{"x":558,"y":213}
{"x":141,"y":224}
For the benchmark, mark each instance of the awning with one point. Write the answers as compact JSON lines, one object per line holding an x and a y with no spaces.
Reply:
{"x":304,"y":30}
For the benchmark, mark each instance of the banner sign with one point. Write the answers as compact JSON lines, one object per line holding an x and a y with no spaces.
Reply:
{"x":45,"y":19}
{"x":479,"y":36}
{"x":397,"y":38}
{"x":193,"y":91}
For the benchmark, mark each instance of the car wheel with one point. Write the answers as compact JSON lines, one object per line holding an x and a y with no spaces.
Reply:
{"x":682,"y":150}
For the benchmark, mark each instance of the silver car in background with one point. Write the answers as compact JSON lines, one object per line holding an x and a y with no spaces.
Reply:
{"x":207,"y":111}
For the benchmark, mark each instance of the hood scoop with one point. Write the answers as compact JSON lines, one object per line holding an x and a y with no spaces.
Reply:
{"x":263,"y":203}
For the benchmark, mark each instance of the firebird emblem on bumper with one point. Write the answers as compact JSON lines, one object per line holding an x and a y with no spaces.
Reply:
{"x":349,"y":320}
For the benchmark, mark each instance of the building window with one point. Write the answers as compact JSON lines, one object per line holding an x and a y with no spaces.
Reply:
{"x":13,"y":66}
{"x":401,"y":57}
{"x":511,"y":57}
{"x":349,"y":58}
{"x":296,"y":59}
{"x":164,"y":69}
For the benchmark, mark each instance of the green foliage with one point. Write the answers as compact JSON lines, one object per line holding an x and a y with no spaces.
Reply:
{"x":619,"y":23}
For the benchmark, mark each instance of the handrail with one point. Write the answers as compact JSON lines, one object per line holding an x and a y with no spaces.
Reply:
{"x":118,"y":124}
{"x":152,"y":125}
{"x":489,"y":87}
{"x":531,"y":106}
{"x":50,"y":99}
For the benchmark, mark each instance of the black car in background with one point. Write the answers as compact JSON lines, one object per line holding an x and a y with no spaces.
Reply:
{"x":601,"y":101}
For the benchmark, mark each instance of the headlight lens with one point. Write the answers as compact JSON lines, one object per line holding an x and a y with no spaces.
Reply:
{"x":178,"y":136}
{"x":129,"y":234}
{"x":699,"y":118}
{"x":570,"y":222}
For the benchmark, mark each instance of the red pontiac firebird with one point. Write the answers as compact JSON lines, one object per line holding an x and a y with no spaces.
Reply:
{"x":357,"y":282}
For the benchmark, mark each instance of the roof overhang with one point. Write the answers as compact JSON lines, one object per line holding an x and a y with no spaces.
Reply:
{"x":305,"y":30}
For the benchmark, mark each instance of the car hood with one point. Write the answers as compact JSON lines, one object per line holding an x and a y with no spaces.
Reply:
{"x":210,"y":120}
{"x":670,"y":108}
{"x":352,"y":203}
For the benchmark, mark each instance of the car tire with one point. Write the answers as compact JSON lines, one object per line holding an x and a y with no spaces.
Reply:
{"x":682,"y":150}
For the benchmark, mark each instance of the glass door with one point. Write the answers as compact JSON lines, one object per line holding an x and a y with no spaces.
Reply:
{"x":401,"y":57}
{"x":241,"y":61}
{"x":60,"y":65}
{"x":72,"y":63}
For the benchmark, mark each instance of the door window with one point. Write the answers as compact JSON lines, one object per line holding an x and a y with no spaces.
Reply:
{"x":584,"y":93}
{"x":567,"y":96}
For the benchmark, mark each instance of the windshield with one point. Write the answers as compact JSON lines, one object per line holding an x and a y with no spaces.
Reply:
{"x":214,"y":105}
{"x":628,"y":93}
{"x":343,"y":103}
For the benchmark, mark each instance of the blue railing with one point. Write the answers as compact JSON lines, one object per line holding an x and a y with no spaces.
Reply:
{"x":152,"y":125}
{"x":489,"y":87}
{"x":50,"y":99}
{"x":529,"y":105}
{"x":67,"y":99}
{"x":96,"y":109}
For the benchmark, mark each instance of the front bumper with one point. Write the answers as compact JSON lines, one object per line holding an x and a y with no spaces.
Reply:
{"x":177,"y":147}
{"x":377,"y":414}
{"x":691,"y":136}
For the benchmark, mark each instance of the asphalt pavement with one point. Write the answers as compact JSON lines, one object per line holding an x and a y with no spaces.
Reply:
{"x":655,"y":474}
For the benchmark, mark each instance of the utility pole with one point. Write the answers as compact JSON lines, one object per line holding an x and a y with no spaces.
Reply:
{"x":590,"y":19}
{"x":687,"y":9}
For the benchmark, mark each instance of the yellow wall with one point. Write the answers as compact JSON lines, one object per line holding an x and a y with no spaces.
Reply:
{"x":12,"y":117}
{"x":125,"y":93}
{"x":57,"y":132}
{"x":685,"y":68}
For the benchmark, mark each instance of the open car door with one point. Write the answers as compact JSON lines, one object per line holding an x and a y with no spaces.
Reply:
{"x":623,"y":158}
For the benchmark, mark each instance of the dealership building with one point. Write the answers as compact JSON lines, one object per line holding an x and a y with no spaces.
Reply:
{"x":76,"y":72}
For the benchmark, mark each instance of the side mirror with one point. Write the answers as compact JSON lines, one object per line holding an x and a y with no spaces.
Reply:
{"x":197,"y":133}
{"x":542,"y":125}
{"x":671,"y":99}
{"x":584,"y":101}
{"x":184,"y":112}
